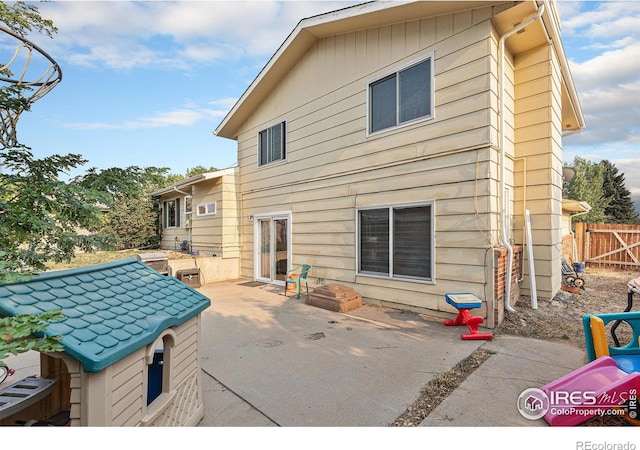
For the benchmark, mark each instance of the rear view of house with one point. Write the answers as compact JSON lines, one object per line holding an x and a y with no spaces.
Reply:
{"x":396,"y":146}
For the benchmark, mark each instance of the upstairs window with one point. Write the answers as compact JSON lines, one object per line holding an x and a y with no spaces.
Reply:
{"x":403,"y":97}
{"x":271,"y":144}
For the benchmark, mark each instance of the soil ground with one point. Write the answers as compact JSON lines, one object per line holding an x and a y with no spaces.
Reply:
{"x":604,"y":291}
{"x":560,"y":319}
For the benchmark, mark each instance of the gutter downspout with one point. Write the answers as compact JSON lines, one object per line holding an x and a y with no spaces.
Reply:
{"x":573,"y":235}
{"x":186,"y":195}
{"x":503,"y":219}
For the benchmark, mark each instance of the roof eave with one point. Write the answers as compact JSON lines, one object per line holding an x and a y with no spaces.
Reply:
{"x":551,"y":21}
{"x":193,"y":180}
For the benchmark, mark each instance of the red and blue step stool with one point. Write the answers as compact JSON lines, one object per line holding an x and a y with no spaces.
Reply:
{"x":464,"y":302}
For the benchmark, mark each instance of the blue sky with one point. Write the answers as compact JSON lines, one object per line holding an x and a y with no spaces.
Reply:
{"x":146,"y":83}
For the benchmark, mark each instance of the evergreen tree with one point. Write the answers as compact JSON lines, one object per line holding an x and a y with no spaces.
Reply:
{"x":619,"y":209}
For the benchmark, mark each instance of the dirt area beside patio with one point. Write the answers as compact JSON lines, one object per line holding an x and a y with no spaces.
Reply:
{"x":605,"y":291}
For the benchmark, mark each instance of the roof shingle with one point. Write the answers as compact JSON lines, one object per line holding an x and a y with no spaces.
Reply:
{"x":110,"y":310}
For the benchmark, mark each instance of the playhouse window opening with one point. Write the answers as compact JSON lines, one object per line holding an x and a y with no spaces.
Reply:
{"x":156,"y":374}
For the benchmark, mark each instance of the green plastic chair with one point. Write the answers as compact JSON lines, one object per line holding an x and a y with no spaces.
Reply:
{"x":302,"y":278}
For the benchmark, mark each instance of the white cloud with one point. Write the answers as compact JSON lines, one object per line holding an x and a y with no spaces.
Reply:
{"x":609,"y":68}
{"x":606,"y":20}
{"x":605,"y":39}
{"x":179,"y":117}
{"x":124,"y":35}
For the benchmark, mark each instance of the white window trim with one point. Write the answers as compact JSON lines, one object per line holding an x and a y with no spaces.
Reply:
{"x":431,"y":115}
{"x":256,"y":239}
{"x":178,"y":212}
{"x":206,"y":208}
{"x":391,"y":206}
{"x":284,"y":142}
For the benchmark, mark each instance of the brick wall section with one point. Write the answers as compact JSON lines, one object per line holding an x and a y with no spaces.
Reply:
{"x":500,"y":278}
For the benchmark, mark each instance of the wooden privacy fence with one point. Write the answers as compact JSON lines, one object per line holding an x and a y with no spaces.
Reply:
{"x":608,"y":245}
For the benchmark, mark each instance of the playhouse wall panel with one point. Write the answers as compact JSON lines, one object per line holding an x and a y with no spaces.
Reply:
{"x":128,"y":389}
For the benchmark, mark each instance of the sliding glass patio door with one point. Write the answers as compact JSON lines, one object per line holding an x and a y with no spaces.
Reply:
{"x":272,"y":249}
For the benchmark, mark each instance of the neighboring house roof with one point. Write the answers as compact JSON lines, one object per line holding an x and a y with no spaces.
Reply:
{"x":375,"y":14}
{"x":110,"y":310}
{"x":575,"y":205}
{"x":193,"y":180}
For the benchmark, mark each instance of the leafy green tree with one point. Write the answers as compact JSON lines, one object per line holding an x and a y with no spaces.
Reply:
{"x":43,"y":219}
{"x":22,"y":333}
{"x":197,"y":170}
{"x":22,"y":17}
{"x":587,"y":186}
{"x":130,"y":217}
{"x":116,"y":183}
{"x":620,"y":208}
{"x":132,"y":223}
{"x":39,"y":215}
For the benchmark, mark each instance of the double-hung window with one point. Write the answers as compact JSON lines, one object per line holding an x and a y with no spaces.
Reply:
{"x":271,"y":144}
{"x":171,"y":213}
{"x":403,"y":97}
{"x":397,"y":241}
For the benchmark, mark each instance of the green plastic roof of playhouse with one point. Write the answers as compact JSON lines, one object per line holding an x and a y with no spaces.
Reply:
{"x":110,"y":310}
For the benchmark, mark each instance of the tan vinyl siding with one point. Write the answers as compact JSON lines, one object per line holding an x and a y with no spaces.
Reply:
{"x":128,"y":381}
{"x":206,"y":230}
{"x":332,"y":167}
{"x":538,"y":140}
{"x":185,"y":353}
{"x":215,"y":234}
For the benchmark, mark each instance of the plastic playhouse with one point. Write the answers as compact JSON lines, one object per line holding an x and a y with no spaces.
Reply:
{"x":131,"y":338}
{"x":611,"y":378}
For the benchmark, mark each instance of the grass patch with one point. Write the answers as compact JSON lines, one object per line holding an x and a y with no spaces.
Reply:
{"x":88,"y":259}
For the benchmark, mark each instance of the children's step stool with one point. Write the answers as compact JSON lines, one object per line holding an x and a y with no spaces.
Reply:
{"x":463,"y":302}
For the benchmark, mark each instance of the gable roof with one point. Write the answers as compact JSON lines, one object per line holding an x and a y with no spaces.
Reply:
{"x":110,"y":310}
{"x":375,"y":14}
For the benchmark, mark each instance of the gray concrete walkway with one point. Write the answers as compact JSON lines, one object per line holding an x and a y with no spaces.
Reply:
{"x":275,"y":361}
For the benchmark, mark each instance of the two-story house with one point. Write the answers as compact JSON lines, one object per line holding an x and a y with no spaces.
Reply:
{"x":406,"y":149}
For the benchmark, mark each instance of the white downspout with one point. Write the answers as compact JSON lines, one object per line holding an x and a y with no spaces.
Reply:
{"x":186,"y":195}
{"x":574,"y":250}
{"x":503,"y":218}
